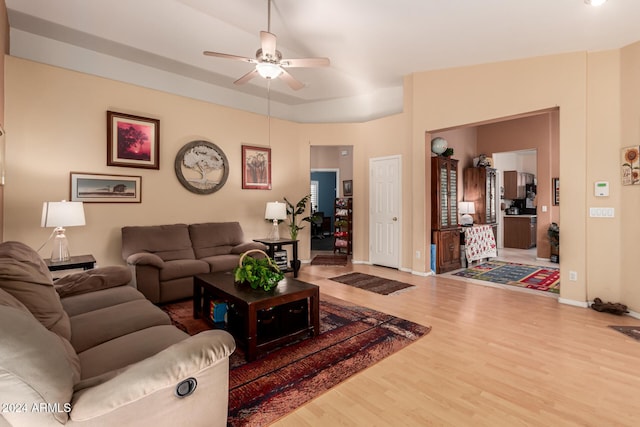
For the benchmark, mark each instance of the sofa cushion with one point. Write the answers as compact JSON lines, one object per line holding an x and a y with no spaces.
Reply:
{"x":182,"y":268}
{"x":78,"y":304}
{"x":128,"y":349}
{"x":99,"y":326}
{"x":35,"y":369}
{"x":215,"y":238}
{"x":92,"y":280}
{"x":222,"y":262}
{"x":24,"y":275}
{"x":169,"y":242}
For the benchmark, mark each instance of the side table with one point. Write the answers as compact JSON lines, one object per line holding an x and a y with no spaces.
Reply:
{"x":85,"y":262}
{"x":276,"y":245}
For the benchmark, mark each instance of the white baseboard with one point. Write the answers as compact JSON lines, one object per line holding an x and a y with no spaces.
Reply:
{"x":574,"y":303}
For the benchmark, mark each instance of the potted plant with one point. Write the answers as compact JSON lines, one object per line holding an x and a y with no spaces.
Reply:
{"x":259,"y":273}
{"x":553,"y":232}
{"x":295,"y":210}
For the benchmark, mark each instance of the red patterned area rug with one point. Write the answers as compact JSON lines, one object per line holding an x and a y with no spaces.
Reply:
{"x":510,"y":273}
{"x":351,"y":339}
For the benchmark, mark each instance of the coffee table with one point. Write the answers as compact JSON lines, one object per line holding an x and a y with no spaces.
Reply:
{"x":260,"y":320}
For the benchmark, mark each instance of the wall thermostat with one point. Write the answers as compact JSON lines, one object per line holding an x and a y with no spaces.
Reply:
{"x":601,"y":189}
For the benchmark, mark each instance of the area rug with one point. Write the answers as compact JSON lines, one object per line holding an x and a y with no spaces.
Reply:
{"x":376,"y":284}
{"x":351,"y":339}
{"x":510,"y":273}
{"x":630,"y":331}
{"x":329,"y":260}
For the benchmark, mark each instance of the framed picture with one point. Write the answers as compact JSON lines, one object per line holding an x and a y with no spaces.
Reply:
{"x":256,"y":168}
{"x":347,"y":187}
{"x":102,"y":188}
{"x":133,"y":141}
{"x":556,"y":191}
{"x":631,"y":165}
{"x":201,"y":167}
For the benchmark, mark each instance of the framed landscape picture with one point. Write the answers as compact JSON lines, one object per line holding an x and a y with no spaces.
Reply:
{"x":132,"y":141}
{"x":256,"y":168}
{"x":102,"y":188}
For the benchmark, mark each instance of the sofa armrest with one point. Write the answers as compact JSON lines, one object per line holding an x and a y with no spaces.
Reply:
{"x":244,"y":247}
{"x":160,"y":373}
{"x":146,"y":259}
{"x":92,"y":280}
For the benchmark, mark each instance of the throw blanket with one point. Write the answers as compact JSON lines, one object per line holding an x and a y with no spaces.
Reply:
{"x":479,"y":242}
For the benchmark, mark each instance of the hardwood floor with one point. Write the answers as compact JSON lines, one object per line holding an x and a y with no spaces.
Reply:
{"x":494,"y":357}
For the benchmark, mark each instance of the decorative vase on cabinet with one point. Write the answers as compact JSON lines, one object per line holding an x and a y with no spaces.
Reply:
{"x":445,"y":231}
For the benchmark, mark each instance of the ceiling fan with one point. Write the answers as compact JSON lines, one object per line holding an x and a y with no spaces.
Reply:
{"x":269,"y":61}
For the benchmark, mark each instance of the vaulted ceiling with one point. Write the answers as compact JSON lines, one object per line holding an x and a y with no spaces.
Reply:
{"x":372,"y":44}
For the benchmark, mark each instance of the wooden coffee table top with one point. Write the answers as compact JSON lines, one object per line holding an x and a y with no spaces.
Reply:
{"x":223,"y":281}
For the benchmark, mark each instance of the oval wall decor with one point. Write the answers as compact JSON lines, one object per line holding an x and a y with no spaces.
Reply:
{"x":201,"y":167}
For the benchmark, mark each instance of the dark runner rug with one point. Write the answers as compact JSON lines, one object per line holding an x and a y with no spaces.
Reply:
{"x":371,"y":283}
{"x":329,"y":260}
{"x":351,"y":339}
{"x":511,"y":273}
{"x":630,"y":331}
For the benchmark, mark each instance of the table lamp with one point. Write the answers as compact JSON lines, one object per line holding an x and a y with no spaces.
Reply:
{"x":467,"y":208}
{"x":59,"y":215}
{"x":275,"y":212}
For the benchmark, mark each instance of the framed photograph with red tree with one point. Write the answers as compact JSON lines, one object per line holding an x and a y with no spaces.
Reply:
{"x":133,"y":141}
{"x":256,"y":168}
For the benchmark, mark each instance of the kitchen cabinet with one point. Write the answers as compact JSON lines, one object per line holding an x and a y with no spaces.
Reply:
{"x":445,"y":231}
{"x":480,"y":188}
{"x":520,"y":231}
{"x":515,"y":184}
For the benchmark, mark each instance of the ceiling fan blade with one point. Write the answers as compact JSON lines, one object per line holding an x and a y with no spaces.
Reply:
{"x":293,"y":83}
{"x":242,"y":80}
{"x":305,"y":62}
{"x":227,"y":56}
{"x":268,"y":41}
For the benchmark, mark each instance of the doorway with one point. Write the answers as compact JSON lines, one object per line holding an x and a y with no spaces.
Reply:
{"x":324,"y":186}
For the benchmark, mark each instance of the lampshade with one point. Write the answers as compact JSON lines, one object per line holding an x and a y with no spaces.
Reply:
{"x":268,"y":70}
{"x":62,"y":214}
{"x":275,"y":211}
{"x":467,"y":208}
{"x":59,"y":215}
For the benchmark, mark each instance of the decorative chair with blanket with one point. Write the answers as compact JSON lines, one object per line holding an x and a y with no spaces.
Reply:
{"x":92,"y":351}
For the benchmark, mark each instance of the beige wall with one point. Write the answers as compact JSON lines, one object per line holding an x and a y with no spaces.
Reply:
{"x":4,"y":42}
{"x":629,"y":196}
{"x":57,"y":122}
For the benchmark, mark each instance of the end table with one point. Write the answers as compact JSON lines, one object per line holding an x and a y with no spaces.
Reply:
{"x":85,"y":262}
{"x":276,"y":245}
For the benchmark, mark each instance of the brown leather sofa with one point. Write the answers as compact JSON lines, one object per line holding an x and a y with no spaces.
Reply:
{"x":164,"y":258}
{"x":93,"y":351}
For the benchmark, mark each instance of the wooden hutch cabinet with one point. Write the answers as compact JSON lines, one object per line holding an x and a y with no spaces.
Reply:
{"x":480,"y":188}
{"x":445,"y":231}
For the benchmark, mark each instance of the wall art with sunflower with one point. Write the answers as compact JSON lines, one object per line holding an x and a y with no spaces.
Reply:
{"x":631,"y":165}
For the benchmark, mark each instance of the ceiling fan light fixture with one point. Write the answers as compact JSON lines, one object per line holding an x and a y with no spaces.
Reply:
{"x":595,"y":2}
{"x":268,"y":70}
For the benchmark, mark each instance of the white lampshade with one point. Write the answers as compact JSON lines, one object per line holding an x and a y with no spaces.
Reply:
{"x":275,"y":210}
{"x":268,"y":70}
{"x":467,"y":208}
{"x":59,"y":215}
{"x":62,"y":214}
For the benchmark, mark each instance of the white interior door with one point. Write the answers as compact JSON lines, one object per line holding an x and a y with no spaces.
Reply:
{"x":384,"y":211}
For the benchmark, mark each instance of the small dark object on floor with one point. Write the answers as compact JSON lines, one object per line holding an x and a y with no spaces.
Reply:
{"x":609,"y":307}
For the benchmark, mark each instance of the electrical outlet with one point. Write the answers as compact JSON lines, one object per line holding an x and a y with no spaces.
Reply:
{"x":573,"y":276}
{"x":418,"y":254}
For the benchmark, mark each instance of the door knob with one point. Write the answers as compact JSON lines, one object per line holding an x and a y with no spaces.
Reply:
{"x":395,"y":218}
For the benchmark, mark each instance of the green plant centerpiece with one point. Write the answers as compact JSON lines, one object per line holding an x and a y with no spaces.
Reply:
{"x":295,"y":210}
{"x":259,"y":273}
